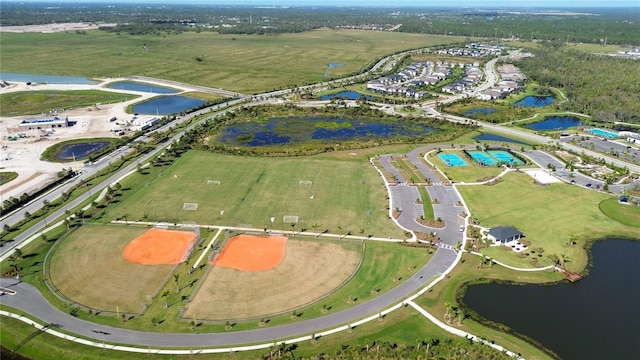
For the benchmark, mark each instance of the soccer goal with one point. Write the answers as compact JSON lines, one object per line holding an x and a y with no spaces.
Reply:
{"x":305,"y":182}
{"x":290,"y":219}
{"x":213,"y":182}
{"x":190,"y":206}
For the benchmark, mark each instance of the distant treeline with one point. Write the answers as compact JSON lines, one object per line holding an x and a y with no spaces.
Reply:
{"x":613,"y":26}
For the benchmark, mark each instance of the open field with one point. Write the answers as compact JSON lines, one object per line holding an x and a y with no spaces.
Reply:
{"x":546,"y":215}
{"x":309,"y":271}
{"x":243,"y":63}
{"x":88,"y":267}
{"x":254,"y":190}
{"x":43,"y":101}
{"x":624,"y":214}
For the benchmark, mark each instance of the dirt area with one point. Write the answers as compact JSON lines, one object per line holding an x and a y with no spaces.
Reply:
{"x":252,"y":253}
{"x":51,"y":28}
{"x":23,"y":155}
{"x":159,"y":247}
{"x":309,"y":271}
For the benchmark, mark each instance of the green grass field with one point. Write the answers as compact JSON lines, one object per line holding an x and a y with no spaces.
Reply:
{"x":253,"y":190}
{"x":43,"y":101}
{"x":6,"y":176}
{"x":624,"y":214}
{"x":244,"y":63}
{"x":546,"y":215}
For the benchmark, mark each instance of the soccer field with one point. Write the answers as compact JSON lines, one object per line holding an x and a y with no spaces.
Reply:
{"x":344,"y":196}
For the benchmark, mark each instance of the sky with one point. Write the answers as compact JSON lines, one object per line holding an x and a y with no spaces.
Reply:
{"x":386,"y":3}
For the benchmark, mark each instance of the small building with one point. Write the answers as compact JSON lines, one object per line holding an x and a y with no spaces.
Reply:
{"x":504,"y":234}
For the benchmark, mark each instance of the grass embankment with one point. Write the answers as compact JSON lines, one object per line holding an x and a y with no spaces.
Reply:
{"x":43,"y":101}
{"x":6,"y":176}
{"x":625,"y":214}
{"x":244,"y":63}
{"x":49,"y":154}
{"x":558,"y":220}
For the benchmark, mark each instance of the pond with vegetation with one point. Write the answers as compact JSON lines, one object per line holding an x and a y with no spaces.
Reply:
{"x":480,"y":110}
{"x":594,"y":318}
{"x":498,"y":138}
{"x":555,"y":123}
{"x":297,"y":130}
{"x":78,"y":151}
{"x":347,"y":95}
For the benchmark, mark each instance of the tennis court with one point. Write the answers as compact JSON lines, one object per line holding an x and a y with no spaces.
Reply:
{"x":452,"y":159}
{"x":482,"y":158}
{"x":505,"y":157}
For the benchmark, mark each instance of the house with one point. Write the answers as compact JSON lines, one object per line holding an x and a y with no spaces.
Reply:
{"x":504,"y":234}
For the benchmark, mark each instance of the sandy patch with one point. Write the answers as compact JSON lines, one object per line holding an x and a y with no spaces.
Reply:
{"x":159,"y":247}
{"x":541,"y":176}
{"x":252,"y":253}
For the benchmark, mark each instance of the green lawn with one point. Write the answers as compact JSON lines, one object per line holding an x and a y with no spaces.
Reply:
{"x":43,"y":101}
{"x":6,"y":176}
{"x":624,"y":214}
{"x":253,"y":190}
{"x":549,"y":216}
{"x":244,"y":63}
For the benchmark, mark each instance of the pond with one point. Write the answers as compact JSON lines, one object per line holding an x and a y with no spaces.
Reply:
{"x":78,"y":151}
{"x":498,"y":138}
{"x":594,"y":318}
{"x":136,"y":86}
{"x":480,"y":111}
{"x":535,"y":101}
{"x":296,"y":130}
{"x":349,"y":95}
{"x":330,"y":66}
{"x":167,"y":105}
{"x":555,"y":123}
{"x":45,"y":79}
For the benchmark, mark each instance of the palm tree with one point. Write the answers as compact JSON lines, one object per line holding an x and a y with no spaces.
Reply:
{"x":176,"y":277}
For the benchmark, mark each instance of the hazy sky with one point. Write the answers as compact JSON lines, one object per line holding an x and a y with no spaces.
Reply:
{"x":387,"y":3}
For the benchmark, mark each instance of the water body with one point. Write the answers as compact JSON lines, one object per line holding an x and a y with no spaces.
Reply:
{"x":80,"y":150}
{"x":330,"y":66}
{"x":594,"y":318}
{"x":45,"y":79}
{"x":349,"y":95}
{"x":494,"y":137}
{"x":480,"y":110}
{"x":136,"y":86}
{"x":535,"y":101}
{"x":555,"y":123}
{"x":297,"y":130}
{"x":167,"y":105}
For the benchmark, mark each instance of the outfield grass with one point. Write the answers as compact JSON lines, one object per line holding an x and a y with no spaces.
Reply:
{"x":253,"y":190}
{"x":88,"y":267}
{"x":243,"y":63}
{"x":549,"y":216}
{"x":43,"y":101}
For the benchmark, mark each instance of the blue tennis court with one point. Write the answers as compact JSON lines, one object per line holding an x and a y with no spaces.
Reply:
{"x":452,"y":160}
{"x":482,"y":158}
{"x":604,"y":133}
{"x":505,"y":157}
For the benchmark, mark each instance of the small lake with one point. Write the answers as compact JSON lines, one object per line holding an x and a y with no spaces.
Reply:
{"x":296,"y":130}
{"x":594,"y":318}
{"x":535,"y":101}
{"x":80,"y":150}
{"x":136,"y":86}
{"x":330,"y":66}
{"x":45,"y":79}
{"x":498,"y":138}
{"x":167,"y":105}
{"x":348,"y":95}
{"x":555,"y":123}
{"x":480,"y":111}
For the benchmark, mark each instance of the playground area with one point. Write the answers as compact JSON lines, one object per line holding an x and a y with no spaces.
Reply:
{"x":160,"y":247}
{"x":252,"y":253}
{"x":309,"y":270}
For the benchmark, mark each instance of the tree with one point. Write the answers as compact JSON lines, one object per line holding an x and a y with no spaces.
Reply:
{"x":176,"y":277}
